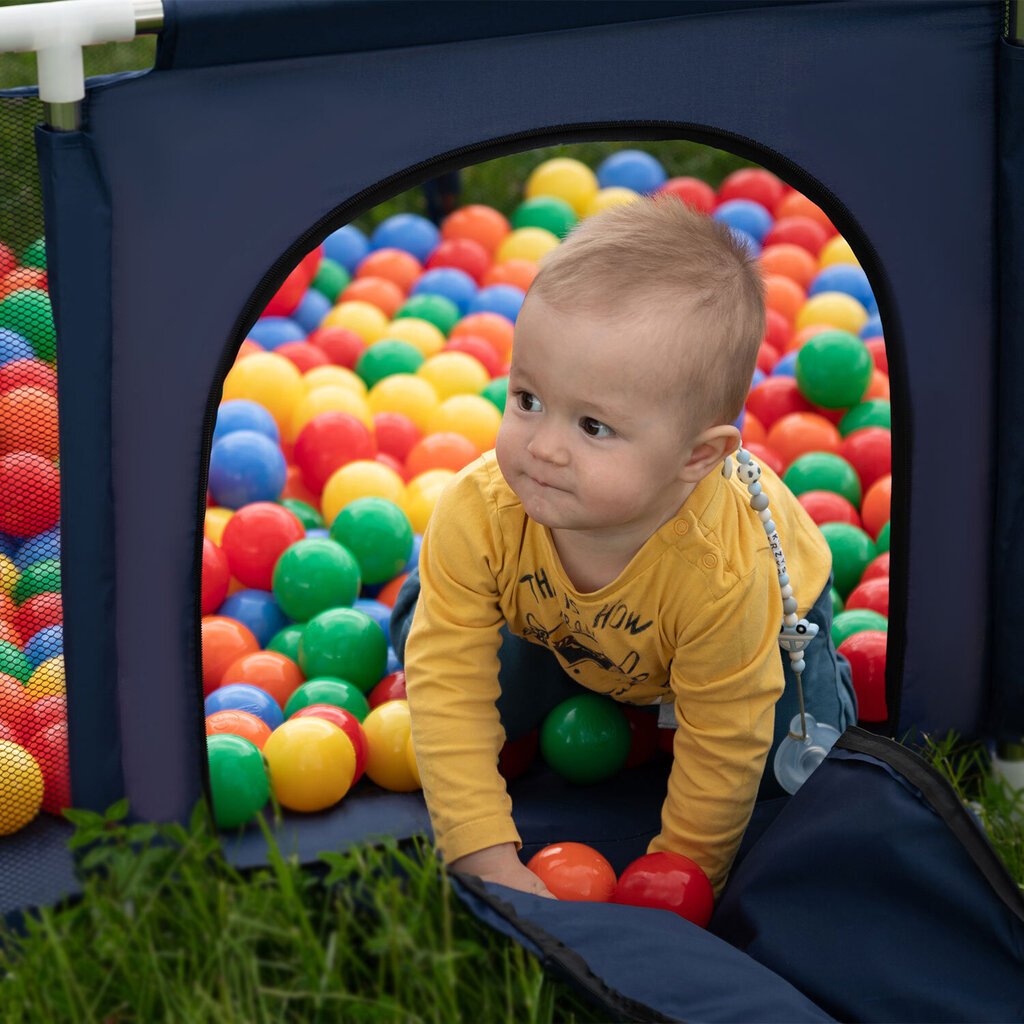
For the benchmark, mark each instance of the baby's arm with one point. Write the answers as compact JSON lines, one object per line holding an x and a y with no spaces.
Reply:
{"x":501,"y":864}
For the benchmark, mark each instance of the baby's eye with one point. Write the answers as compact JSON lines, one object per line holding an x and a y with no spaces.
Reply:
{"x":528,"y":402}
{"x":595,"y":428}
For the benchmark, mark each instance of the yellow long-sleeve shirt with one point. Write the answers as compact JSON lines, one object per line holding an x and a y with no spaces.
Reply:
{"x":693,"y":618}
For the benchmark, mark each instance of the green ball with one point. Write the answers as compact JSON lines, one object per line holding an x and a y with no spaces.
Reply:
{"x":385,"y":357}
{"x":331,"y":279}
{"x":28,"y":312}
{"x":882,"y":540}
{"x":305,"y":513}
{"x":238,"y":779}
{"x":823,"y":471}
{"x":286,"y":641}
{"x":14,"y":663}
{"x":585,"y":738}
{"x":837,"y":602}
{"x":378,"y":534}
{"x":435,"y":309}
{"x":856,"y":620}
{"x":41,"y":577}
{"x":328,"y":690}
{"x":547,"y":212}
{"x":35,"y":255}
{"x":313,"y":575}
{"x":833,"y":369}
{"x":874,"y":413}
{"x":497,"y":393}
{"x":344,"y":643}
{"x":852,"y":550}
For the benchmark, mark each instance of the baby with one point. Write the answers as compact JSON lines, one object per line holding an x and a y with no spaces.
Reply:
{"x":600,"y":545}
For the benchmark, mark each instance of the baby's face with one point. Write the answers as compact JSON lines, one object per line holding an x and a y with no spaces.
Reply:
{"x":592,"y":437}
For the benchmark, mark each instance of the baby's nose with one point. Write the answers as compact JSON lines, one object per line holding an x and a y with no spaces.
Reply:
{"x":548,"y":446}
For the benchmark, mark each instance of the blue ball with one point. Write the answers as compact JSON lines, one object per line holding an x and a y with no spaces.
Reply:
{"x":242,"y":414}
{"x":759,"y":376}
{"x":244,"y":467}
{"x":13,"y":347}
{"x":318,"y":531}
{"x":271,"y":331}
{"x":631,"y":168}
{"x":393,"y":664}
{"x":43,"y":545}
{"x":747,"y":216}
{"x":872,"y":329}
{"x":408,"y":231}
{"x":414,"y":557}
{"x":243,"y":697}
{"x":746,"y":239}
{"x":309,"y":313}
{"x":347,"y":246}
{"x":505,"y":299}
{"x":740,"y":420}
{"x":380,"y":613}
{"x":845,"y":278}
{"x":46,"y":644}
{"x":454,"y":284}
{"x":786,"y":366}
{"x":258,"y":611}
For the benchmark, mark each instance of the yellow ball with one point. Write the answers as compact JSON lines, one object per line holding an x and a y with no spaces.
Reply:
{"x":311,"y":763}
{"x":526,"y":244}
{"x":567,"y":179}
{"x":387,"y":728}
{"x":410,"y":760}
{"x":609,"y":197}
{"x":330,"y":398}
{"x":836,"y":250}
{"x":835,"y":308}
{"x":363,"y":478}
{"x":421,"y":334}
{"x":405,"y":393}
{"x":9,"y":575}
{"x":216,"y":520}
{"x":268,"y":379}
{"x":47,"y":680}
{"x":454,"y":373}
{"x":21,"y":787}
{"x":469,"y":415}
{"x":335,"y":376}
{"x":421,"y":496}
{"x":367,"y":320}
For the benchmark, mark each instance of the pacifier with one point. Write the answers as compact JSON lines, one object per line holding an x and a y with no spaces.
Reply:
{"x":796,"y":758}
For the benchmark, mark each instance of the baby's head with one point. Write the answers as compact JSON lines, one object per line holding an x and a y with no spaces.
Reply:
{"x":633,"y":355}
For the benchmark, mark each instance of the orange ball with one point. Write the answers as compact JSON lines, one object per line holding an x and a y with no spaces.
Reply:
{"x":28,"y":422}
{"x":248,"y":348}
{"x":388,"y":594}
{"x":378,"y":291}
{"x":878,"y":388}
{"x":269,"y":670}
{"x":792,"y":261}
{"x":238,"y":723}
{"x":517,"y":272}
{"x":802,"y":432}
{"x":22,"y":277}
{"x":295,"y":487}
{"x":481,"y":224}
{"x":753,"y":430}
{"x":805,"y":334}
{"x":440,"y":451}
{"x":496,"y":328}
{"x":796,"y":204}
{"x":224,"y":640}
{"x":397,"y":265}
{"x":875,"y":509}
{"x":9,"y":634}
{"x":783,"y":295}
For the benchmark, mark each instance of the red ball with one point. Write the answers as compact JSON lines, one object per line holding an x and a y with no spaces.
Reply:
{"x":342,"y":346}
{"x":574,"y":871}
{"x":295,"y":285}
{"x":776,"y":397}
{"x":49,"y":747}
{"x":516,"y":756}
{"x":304,"y":355}
{"x":869,"y":451}
{"x":480,"y":349}
{"x":396,"y":434}
{"x":255,"y":537}
{"x":216,"y":577}
{"x":643,"y":736}
{"x":767,"y":357}
{"x":391,"y":687}
{"x":41,"y":714}
{"x":30,"y":485}
{"x":329,"y":441}
{"x":872,"y":594}
{"x":697,"y":194}
{"x":270,"y":671}
{"x":667,"y":881}
{"x":802,"y":231}
{"x":766,"y":457}
{"x":28,"y":373}
{"x":752,"y":183}
{"x":829,"y":507}
{"x":778,"y":331}
{"x":876,"y":346}
{"x":393,"y":464}
{"x":348,"y":724}
{"x":39,"y":612}
{"x":877,"y":568}
{"x":463,"y":254}
{"x":866,"y":654}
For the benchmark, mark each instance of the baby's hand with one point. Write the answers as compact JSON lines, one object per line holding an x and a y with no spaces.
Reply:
{"x":502,"y":865}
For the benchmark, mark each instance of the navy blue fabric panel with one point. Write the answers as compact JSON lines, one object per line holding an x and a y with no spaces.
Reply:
{"x":37,"y":869}
{"x":76,"y":207}
{"x":205,"y":33}
{"x":217,"y":172}
{"x":868,"y":901}
{"x":1007,"y":717}
{"x":635,"y":960}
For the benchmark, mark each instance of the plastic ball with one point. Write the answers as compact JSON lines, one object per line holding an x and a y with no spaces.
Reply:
{"x":255,"y":538}
{"x":574,"y":871}
{"x":441,"y":451}
{"x":286,"y":641}
{"x":470,"y":415}
{"x":453,"y":284}
{"x":453,"y":373}
{"x":37,"y":613}
{"x":565,"y":179}
{"x":46,"y":679}
{"x":256,"y":609}
{"x":633,"y":169}
{"x":348,"y":723}
{"x":27,"y":373}
{"x":311,"y":763}
{"x":329,"y":441}
{"x":847,"y":278}
{"x":270,"y":332}
{"x":607,"y":198}
{"x":798,"y":433}
{"x":21,"y":787}
{"x":829,"y":507}
{"x":852,"y":550}
{"x":13,"y":347}
{"x":837,"y":250}
{"x":882,"y":540}
{"x":243,"y":414}
{"x":463,"y":254}
{"x":421,"y":334}
{"x":421,"y":496}
{"x":407,"y":231}
{"x":846,"y":623}
{"x":245,"y":467}
{"x":823,"y":471}
{"x":585,"y":739}
{"x":752,"y":183}
{"x":530,"y":244}
{"x":238,"y":723}
{"x":878,"y":568}
{"x":268,"y":379}
{"x":866,"y":652}
{"x":365,"y":319}
{"x":13,"y":662}
{"x":360,"y":479}
{"x":30,"y":485}
{"x":498,"y":330}
{"x":305,"y":513}
{"x":694,"y":192}
{"x":238,"y":779}
{"x":546,"y":212}
{"x":774,"y":398}
{"x":836,"y":308}
{"x":834,"y":369}
{"x":224,"y":640}
{"x":377,"y":291}
{"x":745,"y":214}
{"x":28,"y":312}
{"x":346,"y":644}
{"x":797,"y":230}
{"x":871,"y":594}
{"x":387,"y":730}
{"x":395,"y":265}
{"x":480,"y":350}
{"x":28,"y":422}
{"x":313,"y":575}
{"x":481,"y":224}
{"x":497,"y":393}
{"x":378,"y":534}
{"x":267,"y":670}
{"x":41,"y":577}
{"x":215,"y":522}
{"x":872,"y":413}
{"x":331,"y":691}
{"x":875,"y":509}
{"x":306,"y":357}
{"x":790,"y":261}
{"x":395,"y":433}
{"x":667,"y":881}
{"x":347,"y":247}
{"x":330,"y":280}
{"x":391,"y":687}
{"x":327,"y":398}
{"x":341,"y":346}
{"x":869,"y":451}
{"x":46,"y":644}
{"x":413,"y":396}
{"x":245,"y":697}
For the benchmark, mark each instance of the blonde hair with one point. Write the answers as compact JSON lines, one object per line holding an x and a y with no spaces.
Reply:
{"x":681,"y":274}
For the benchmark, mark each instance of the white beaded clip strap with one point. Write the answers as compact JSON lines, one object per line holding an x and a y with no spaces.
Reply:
{"x":796,"y":633}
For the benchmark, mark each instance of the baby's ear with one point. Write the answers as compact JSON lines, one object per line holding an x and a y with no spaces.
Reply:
{"x":709,"y":449}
